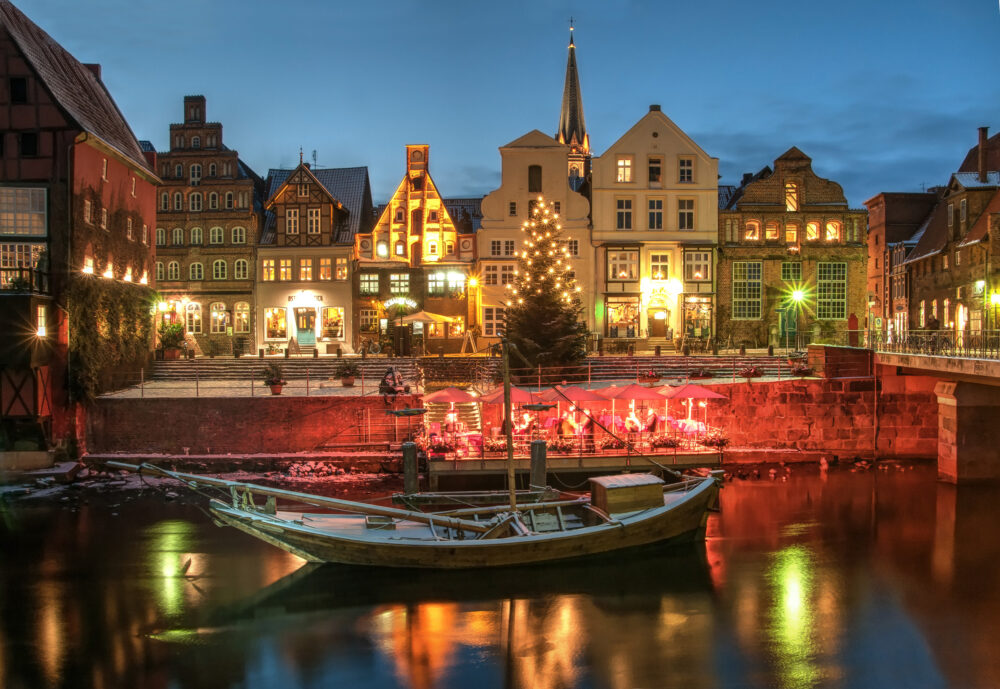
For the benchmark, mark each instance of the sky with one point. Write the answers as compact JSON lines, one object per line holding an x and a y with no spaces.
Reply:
{"x":883,"y":95}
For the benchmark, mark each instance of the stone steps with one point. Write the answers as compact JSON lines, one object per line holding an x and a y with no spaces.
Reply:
{"x":293,"y":368}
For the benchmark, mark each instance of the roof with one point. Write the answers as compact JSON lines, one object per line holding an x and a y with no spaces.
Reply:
{"x":932,"y":236}
{"x":971,"y":162}
{"x":572,"y":128}
{"x":970,"y":180}
{"x":459,"y":208}
{"x":77,"y":89}
{"x":147,"y":146}
{"x":349,"y":185}
{"x":726,"y":194}
{"x":981,"y":227}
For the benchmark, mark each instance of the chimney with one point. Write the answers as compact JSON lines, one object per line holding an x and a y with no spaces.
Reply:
{"x":982,"y":153}
{"x":654,"y":108}
{"x":95,"y":69}
{"x":747,"y":176}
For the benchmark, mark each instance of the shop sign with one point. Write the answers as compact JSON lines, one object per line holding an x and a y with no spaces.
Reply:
{"x":400,"y":301}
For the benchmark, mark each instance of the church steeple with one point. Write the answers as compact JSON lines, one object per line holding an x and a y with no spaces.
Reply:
{"x":572,"y":128}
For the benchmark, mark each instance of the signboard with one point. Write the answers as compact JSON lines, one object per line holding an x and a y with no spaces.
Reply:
{"x":878,"y":323}
{"x":400,"y":301}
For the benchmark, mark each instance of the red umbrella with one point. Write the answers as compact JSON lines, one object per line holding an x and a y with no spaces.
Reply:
{"x":695,"y":392}
{"x":637,"y":392}
{"x":573,"y":394}
{"x":517,"y":396}
{"x":449,"y":395}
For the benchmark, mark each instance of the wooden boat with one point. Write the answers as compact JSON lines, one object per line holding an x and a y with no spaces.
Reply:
{"x":623,"y":513}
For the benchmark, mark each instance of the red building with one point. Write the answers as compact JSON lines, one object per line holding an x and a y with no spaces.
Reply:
{"x":77,"y":204}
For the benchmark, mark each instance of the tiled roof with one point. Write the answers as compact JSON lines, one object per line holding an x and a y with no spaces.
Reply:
{"x":147,"y":146}
{"x":77,"y":90}
{"x":349,"y":185}
{"x":458,"y":207}
{"x":726,"y":194}
{"x":932,"y":236}
{"x":970,"y":180}
{"x":982,"y":226}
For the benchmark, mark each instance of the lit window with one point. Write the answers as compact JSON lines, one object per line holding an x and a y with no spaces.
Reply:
{"x":242,"y":312}
{"x":285,"y":269}
{"x":812,"y":231}
{"x":659,"y":266}
{"x":333,"y":322}
{"x":325,"y":269}
{"x":341,"y":268}
{"x":685,"y":170}
{"x":791,"y":196}
{"x":791,"y":233}
{"x":399,"y":283}
{"x":145,"y":234}
{"x":128,"y":228}
{"x":436,"y":283}
{"x":623,"y":265}
{"x":104,"y":169}
{"x":368,"y":284}
{"x":401,"y":248}
{"x":193,"y":318}
{"x":220,"y":270}
{"x":305,"y":269}
{"x":104,"y":218}
{"x":218,"y":319}
{"x":698,"y":266}
{"x":747,"y":290}
{"x":368,"y":320}
{"x":275,"y":327}
{"x":772,"y":231}
{"x":752,"y":232}
{"x":23,"y":211}
{"x":267,"y":270}
{"x":624,"y":170}
{"x":832,"y":231}
{"x":41,"y":321}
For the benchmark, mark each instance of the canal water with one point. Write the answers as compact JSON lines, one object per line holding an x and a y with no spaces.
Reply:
{"x":869,"y":579}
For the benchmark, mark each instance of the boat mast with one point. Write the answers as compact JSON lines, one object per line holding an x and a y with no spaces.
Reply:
{"x":508,"y":424}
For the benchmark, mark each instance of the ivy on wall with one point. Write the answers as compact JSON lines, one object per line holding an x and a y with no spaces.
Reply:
{"x":111,"y":331}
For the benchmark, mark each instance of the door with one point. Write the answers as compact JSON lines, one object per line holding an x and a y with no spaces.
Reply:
{"x":657,"y":322}
{"x":305,"y":326}
{"x":788,"y":324}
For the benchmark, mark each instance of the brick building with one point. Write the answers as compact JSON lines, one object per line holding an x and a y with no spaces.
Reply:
{"x":207,"y":229}
{"x":792,"y":257}
{"x":77,"y":195}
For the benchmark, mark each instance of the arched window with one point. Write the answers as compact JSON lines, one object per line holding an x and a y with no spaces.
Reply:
{"x":173,"y":270}
{"x":178,"y":237}
{"x":752,"y":232}
{"x":216,"y":236}
{"x":164,"y":201}
{"x":772,"y":230}
{"x":534,"y":179}
{"x":178,"y":201}
{"x":219,"y":270}
{"x":212,"y":169}
{"x":195,"y":142}
{"x":239,"y":235}
{"x":812,"y":231}
{"x":194,"y":201}
{"x":161,"y":236}
{"x":192,"y":317}
{"x":229,"y":199}
{"x":401,"y":248}
{"x":159,"y":270}
{"x":241,"y":269}
{"x":196,"y":236}
{"x":220,"y":318}
{"x":242,"y":311}
{"x":213,"y":201}
{"x":178,"y":171}
{"x":195,"y":175}
{"x":196,"y":271}
{"x":833,"y":230}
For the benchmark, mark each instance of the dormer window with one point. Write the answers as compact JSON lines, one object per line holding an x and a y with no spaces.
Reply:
{"x":382,"y":249}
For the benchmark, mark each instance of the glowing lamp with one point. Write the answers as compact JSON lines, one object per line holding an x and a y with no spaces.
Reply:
{"x":473,"y":282}
{"x":161,"y":306}
{"x":674,"y":287}
{"x":995,"y":298}
{"x":798,"y":295}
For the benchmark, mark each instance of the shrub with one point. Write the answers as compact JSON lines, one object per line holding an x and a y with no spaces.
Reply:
{"x":560,"y":445}
{"x":171,"y":335}
{"x":347,"y":369}
{"x":750,"y":372}
{"x":612,"y":443}
{"x":715,"y":439}
{"x":273,"y":375}
{"x":663,"y":441}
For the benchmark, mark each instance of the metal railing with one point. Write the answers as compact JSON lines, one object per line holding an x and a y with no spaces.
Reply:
{"x":979,"y":344}
{"x":28,"y":280}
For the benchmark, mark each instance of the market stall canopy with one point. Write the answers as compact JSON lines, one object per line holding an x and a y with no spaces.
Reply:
{"x":637,"y":392}
{"x":425,"y":317}
{"x":517,"y":396}
{"x":694,"y":392}
{"x":449,"y":396}
{"x":572,"y":393}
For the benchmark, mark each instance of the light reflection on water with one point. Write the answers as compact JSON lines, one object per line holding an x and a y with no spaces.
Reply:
{"x":851,"y":580}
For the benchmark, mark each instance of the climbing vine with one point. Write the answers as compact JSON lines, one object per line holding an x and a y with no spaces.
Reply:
{"x":111,"y":330}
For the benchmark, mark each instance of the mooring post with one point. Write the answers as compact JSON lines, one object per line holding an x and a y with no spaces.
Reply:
{"x":537,"y":474}
{"x":410,"y":483}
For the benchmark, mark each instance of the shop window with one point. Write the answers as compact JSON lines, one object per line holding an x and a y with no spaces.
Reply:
{"x":623,"y":316}
{"x":242,"y":317}
{"x":333,"y":322}
{"x":219,"y":318}
{"x":275,"y":326}
{"x":192,"y":318}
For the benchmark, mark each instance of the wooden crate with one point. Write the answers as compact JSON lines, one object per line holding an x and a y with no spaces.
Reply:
{"x":626,"y":492}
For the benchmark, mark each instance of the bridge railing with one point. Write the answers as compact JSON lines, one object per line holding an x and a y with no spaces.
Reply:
{"x":980,"y":344}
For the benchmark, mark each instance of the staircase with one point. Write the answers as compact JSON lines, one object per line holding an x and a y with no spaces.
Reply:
{"x":293,"y":368}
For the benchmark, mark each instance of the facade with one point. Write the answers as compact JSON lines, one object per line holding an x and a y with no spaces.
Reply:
{"x":305,"y":256}
{"x":413,"y":260}
{"x":77,"y":195}
{"x":792,"y":258}
{"x":208,"y":220}
{"x":655,"y":219}
{"x":532,"y":166}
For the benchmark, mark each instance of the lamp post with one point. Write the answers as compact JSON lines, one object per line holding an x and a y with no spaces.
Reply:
{"x":995,"y":302}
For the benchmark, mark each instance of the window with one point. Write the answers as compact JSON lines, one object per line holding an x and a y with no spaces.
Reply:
{"x":104,"y":169}
{"x":685,"y":170}
{"x":40,"y":321}
{"x":292,"y":221}
{"x":18,"y":90}
{"x":944,"y":262}
{"x":164,"y":201}
{"x":432,"y":248}
{"x":491,"y":274}
{"x":623,"y":265}
{"x":752,"y":231}
{"x":242,"y":312}
{"x":305,"y":269}
{"x":508,"y":247}
{"x":229,"y":200}
{"x":493,"y":321}
{"x":19,"y":259}
{"x":86,"y":213}
{"x":401,"y":248}
{"x":104,"y":218}
{"x":145,"y":234}
{"x":195,"y":172}
{"x":128,"y":229}
{"x":655,"y":170}
{"x":951,"y":215}
{"x":934,"y":310}
{"x":746,"y":290}
{"x":194,"y":201}
{"x":963,"y":210}
{"x":212,"y":170}
{"x":791,"y":271}
{"x":178,"y":237}
{"x":275,"y":327}
{"x":219,"y":318}
{"x":436,"y":282}
{"x":624,"y":168}
{"x":832,"y":231}
{"x":28,"y":144}
{"x":23,"y":212}
{"x":133,"y":187}
{"x":831,"y":290}
{"x":958,"y":257}
{"x":368,"y":320}
{"x":697,"y":266}
{"x":179,"y":169}
{"x":772,"y":231}
{"x":512,"y":208}
{"x":195,"y":142}
{"x":193,"y":318}
{"x":659,"y":266}
{"x":812,"y":231}
{"x":449,"y":248}
{"x":791,"y":196}
{"x":791,"y":233}
{"x":220,"y":270}
{"x":284,"y":269}
{"x":557,"y":207}
{"x":947,"y":313}
{"x":325,"y":269}
{"x":333,"y":322}
{"x":267,"y":270}
{"x":216,"y":235}
{"x":399,"y":283}
{"x":173,"y":270}
{"x":400,"y":215}
{"x":161,"y":236}
{"x":241,"y":269}
{"x":312,"y":221}
{"x":506,"y":274}
{"x":196,"y":236}
{"x":656,"y":214}
{"x":495,"y":247}
{"x":159,"y":269}
{"x":303,"y":189}
{"x":368,"y":284}
{"x":685,"y":214}
{"x":341,"y":268}
{"x":573,"y":247}
{"x":239,"y":235}
{"x":382,"y":249}
{"x":178,"y":201}
{"x":213,"y":201}
{"x":534,"y":179}
{"x":922,"y":315}
{"x":623,"y":220}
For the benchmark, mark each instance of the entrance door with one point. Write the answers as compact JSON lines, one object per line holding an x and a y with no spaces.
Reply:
{"x":305,"y":326}
{"x":788,"y":324}
{"x":657,"y":322}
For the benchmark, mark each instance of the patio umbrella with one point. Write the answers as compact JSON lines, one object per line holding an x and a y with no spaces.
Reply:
{"x":517,"y":396}
{"x":449,"y":395}
{"x":695,"y":392}
{"x":572,"y":393}
{"x":426,"y":317}
{"x":636,"y":392}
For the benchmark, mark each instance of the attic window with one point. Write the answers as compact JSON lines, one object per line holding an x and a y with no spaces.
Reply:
{"x":791,"y":196}
{"x":400,"y":215}
{"x":303,"y":190}
{"x":18,"y":90}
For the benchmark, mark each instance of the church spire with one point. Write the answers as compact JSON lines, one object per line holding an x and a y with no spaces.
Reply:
{"x":572,"y":129}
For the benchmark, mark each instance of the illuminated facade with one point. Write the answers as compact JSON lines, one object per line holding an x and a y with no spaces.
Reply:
{"x":792,"y":258}
{"x":532,"y":166}
{"x":208,"y":218}
{"x":655,"y":210}
{"x":413,"y":259}
{"x":305,"y":256}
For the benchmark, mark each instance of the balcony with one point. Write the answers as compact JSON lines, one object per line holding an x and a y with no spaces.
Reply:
{"x":23,"y":281}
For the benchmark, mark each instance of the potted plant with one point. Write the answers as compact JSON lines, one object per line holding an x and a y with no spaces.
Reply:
{"x":274,"y":377}
{"x":171,"y":338}
{"x":347,"y":371}
{"x":663,"y":442}
{"x":750,"y":372}
{"x":650,"y":377}
{"x":700,"y":373}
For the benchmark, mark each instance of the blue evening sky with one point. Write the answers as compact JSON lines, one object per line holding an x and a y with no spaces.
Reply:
{"x":884,"y":95}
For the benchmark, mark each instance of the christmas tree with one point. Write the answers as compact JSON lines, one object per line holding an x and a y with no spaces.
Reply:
{"x":543,"y":316}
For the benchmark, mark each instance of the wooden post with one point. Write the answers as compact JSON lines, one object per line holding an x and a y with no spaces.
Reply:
{"x":537,"y":478}
{"x":142,"y":383}
{"x":508,"y":423}
{"x":307,"y":381}
{"x":410,"y":480}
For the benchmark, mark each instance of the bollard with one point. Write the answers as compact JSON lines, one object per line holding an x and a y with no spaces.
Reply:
{"x":260,"y":353}
{"x":340,"y":353}
{"x":743,"y":350}
{"x":410,"y":480}
{"x":657,"y":350}
{"x":537,"y":476}
{"x":287,"y":352}
{"x":316,"y":353}
{"x":770,"y":350}
{"x":687,"y":350}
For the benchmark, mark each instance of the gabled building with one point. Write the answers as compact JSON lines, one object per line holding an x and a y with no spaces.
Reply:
{"x":305,"y":255}
{"x":208,"y":225}
{"x":655,"y":223}
{"x":413,"y":259}
{"x":792,"y":258}
{"x":78,"y":200}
